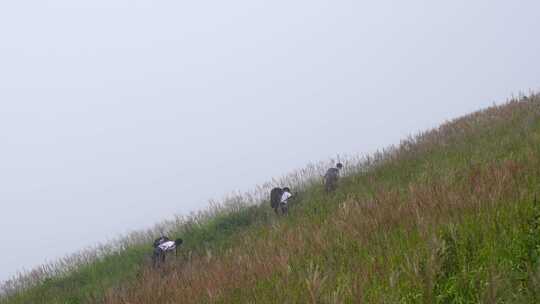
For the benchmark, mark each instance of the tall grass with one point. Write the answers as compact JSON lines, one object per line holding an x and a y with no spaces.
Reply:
{"x":446,"y":216}
{"x":85,"y":275}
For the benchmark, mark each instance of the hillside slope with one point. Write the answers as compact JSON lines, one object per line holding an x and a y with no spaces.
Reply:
{"x":449,"y":216}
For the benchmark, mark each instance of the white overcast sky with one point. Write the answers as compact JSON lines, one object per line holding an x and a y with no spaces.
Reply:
{"x":117,"y":114}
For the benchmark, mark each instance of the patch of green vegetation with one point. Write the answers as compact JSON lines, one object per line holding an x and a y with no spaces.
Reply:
{"x":475,"y":252}
{"x":89,"y":282}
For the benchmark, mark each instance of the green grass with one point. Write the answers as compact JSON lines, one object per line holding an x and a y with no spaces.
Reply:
{"x":447,"y":217}
{"x":89,"y":282}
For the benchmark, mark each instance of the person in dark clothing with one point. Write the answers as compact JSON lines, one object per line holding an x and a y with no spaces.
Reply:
{"x":331,"y":178}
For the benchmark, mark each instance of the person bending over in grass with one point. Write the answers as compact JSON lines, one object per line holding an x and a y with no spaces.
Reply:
{"x":160,"y":240}
{"x":279,"y":199}
{"x":331,"y":178}
{"x":161,"y":249}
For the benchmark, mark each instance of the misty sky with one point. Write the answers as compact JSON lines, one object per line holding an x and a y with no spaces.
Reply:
{"x":117,"y":114}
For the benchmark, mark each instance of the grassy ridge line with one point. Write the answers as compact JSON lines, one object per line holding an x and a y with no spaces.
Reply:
{"x":447,"y":218}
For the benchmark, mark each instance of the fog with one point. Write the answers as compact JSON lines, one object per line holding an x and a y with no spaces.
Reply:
{"x":116,"y":114}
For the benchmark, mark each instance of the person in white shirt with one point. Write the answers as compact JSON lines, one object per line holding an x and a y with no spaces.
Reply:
{"x":161,"y":247}
{"x":167,"y":246}
{"x":159,"y":240}
{"x":284,"y":202}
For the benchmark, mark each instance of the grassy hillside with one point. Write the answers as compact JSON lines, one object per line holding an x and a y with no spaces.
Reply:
{"x":449,"y":216}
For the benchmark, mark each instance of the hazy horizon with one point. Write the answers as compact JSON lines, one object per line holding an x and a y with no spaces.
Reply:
{"x":117,"y":114}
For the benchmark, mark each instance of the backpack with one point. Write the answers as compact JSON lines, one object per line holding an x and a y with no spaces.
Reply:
{"x":275,"y":197}
{"x":332,"y":175}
